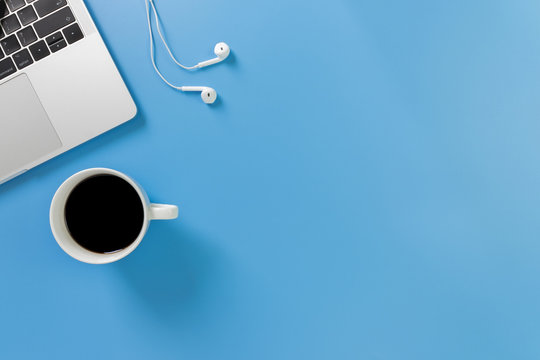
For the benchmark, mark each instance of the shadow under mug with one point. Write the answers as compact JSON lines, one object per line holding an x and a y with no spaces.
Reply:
{"x":71,"y":247}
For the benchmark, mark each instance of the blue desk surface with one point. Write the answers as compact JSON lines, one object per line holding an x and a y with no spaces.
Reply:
{"x":367,"y":188}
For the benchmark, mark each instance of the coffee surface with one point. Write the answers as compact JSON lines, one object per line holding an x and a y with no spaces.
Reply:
{"x":104,"y":214}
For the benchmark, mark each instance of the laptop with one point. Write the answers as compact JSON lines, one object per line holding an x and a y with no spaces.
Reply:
{"x":59,"y":86}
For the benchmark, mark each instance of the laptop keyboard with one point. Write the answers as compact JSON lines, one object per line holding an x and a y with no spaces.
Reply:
{"x":31,"y":30}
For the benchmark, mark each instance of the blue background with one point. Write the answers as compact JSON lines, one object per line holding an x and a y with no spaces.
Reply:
{"x":368,"y":187}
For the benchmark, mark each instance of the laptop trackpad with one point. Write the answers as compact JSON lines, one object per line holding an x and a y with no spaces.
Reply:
{"x":26,"y":133}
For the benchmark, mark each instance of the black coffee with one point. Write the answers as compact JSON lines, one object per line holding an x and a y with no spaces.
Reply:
{"x":104,"y":214}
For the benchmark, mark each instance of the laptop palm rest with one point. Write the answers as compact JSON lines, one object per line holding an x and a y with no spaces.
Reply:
{"x":26,"y":133}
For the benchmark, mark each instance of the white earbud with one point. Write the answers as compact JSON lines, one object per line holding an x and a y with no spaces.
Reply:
{"x":222,"y":50}
{"x":208,"y":95}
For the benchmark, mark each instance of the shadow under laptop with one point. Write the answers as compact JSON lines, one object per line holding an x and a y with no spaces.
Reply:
{"x":170,"y":271}
{"x":76,"y":153}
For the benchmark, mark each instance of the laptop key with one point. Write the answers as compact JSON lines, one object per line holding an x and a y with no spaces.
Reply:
{"x":10,"y":24}
{"x":27,"y":15}
{"x":39,"y":50}
{"x":59,"y":45}
{"x":15,"y":5}
{"x":73,"y":33}
{"x":45,"y":7}
{"x":1,"y":54}
{"x":10,"y":44}
{"x":53,"y":38}
{"x":4,"y":11}
{"x":7,"y":67}
{"x":23,"y":59}
{"x":27,"y":36}
{"x":54,"y":22}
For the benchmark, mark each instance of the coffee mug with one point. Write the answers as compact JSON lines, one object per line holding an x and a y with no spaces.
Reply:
{"x":94,"y":202}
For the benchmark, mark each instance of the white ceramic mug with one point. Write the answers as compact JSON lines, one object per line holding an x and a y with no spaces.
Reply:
{"x":71,"y":247}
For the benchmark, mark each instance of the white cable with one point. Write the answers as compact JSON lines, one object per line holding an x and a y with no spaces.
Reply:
{"x":152,"y":54}
{"x":208,"y":95}
{"x":165,"y":42}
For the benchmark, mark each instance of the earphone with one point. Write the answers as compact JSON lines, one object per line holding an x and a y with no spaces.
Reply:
{"x":222,"y":51}
{"x":208,"y":95}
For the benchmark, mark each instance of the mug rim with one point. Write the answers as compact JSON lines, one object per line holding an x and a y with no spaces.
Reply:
{"x":56,"y":219}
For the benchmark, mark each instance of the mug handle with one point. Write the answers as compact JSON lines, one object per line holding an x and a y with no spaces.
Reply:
{"x":163,"y":212}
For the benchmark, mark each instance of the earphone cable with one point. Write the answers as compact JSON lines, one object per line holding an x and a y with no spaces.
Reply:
{"x":152,"y":51}
{"x":158,"y":27}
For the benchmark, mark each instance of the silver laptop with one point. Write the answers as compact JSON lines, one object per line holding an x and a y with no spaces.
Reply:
{"x":59,"y":86}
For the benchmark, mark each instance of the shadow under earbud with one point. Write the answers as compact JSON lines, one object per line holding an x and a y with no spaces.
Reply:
{"x":231,"y":60}
{"x":218,"y":104}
